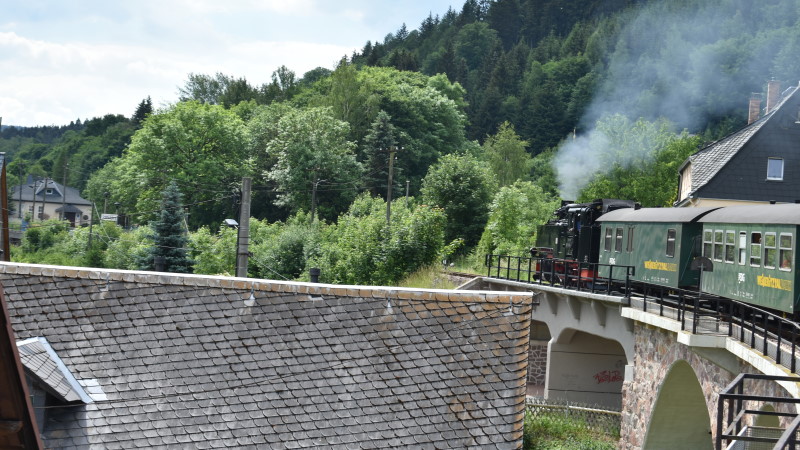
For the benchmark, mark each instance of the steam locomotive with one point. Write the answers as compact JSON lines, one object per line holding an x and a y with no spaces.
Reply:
{"x":745,"y":253}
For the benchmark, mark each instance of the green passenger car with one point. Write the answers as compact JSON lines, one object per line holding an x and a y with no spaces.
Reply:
{"x":659,"y":243}
{"x":752,"y":251}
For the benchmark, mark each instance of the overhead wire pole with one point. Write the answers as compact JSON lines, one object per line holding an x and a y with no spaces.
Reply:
{"x":21,"y":181}
{"x":64,"y":194}
{"x":392,"y":149}
{"x":242,"y":253}
{"x":314,"y":185}
{"x":4,"y":205}
{"x":44,"y":197}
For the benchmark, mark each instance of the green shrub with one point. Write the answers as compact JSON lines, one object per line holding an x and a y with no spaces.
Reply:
{"x":361,"y":249}
{"x":556,"y":432}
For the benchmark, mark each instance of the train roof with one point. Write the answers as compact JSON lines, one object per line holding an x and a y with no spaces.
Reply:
{"x":785,"y":213}
{"x":666,"y":215}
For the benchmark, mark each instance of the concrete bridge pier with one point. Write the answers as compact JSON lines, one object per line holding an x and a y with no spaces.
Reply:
{"x":589,"y":345}
{"x":590,"y":354}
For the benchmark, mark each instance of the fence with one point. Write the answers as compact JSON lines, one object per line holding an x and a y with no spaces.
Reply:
{"x":594,"y":418}
{"x":775,"y":336}
{"x":735,"y":399}
{"x":768,"y":332}
{"x":561,"y":272}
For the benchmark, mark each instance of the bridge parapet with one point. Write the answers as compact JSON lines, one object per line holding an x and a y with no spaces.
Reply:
{"x":676,"y":365}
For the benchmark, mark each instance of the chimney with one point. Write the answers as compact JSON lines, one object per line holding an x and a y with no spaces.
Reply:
{"x":773,"y":94}
{"x":755,"y":108}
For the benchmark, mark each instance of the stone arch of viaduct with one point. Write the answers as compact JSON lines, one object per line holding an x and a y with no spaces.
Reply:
{"x":666,"y":381}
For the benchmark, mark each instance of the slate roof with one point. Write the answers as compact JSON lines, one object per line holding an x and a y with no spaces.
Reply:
{"x":193,"y":361}
{"x":43,"y":363}
{"x":72,"y":194}
{"x":709,"y":160}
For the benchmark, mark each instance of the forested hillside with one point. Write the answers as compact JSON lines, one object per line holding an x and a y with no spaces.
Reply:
{"x":491,"y":112}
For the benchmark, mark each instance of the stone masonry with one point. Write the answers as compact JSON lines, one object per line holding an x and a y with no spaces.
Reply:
{"x":656,"y":351}
{"x":537,"y":363}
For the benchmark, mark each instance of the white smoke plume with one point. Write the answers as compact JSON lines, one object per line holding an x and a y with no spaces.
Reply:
{"x":688,"y":62}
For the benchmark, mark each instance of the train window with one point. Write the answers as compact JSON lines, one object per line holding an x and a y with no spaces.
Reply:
{"x":708,"y":243}
{"x":671,"y":242}
{"x":755,"y":248}
{"x":718,"y":245}
{"x":742,"y":247}
{"x":730,"y":246}
{"x":618,"y":241}
{"x":769,"y":250}
{"x":607,"y":243}
{"x":786,"y":251}
{"x":630,"y":240}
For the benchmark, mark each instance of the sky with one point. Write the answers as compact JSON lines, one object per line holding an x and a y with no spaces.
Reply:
{"x":62,"y":60}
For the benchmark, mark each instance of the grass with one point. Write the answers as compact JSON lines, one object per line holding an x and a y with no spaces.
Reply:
{"x":430,"y":277}
{"x":471,"y":263}
{"x":555,"y":432}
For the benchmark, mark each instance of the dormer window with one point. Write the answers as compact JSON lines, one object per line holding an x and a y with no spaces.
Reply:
{"x":775,"y":169}
{"x":49,"y":191}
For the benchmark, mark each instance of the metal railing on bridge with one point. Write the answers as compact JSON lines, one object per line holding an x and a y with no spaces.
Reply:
{"x":765,"y":331}
{"x":741,"y":418}
{"x":563,"y":273}
{"x":768,"y":332}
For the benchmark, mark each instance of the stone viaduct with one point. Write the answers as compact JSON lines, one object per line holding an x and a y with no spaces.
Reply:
{"x":666,"y":382}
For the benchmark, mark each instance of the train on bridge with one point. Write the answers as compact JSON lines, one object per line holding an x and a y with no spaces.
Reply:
{"x":745,"y":253}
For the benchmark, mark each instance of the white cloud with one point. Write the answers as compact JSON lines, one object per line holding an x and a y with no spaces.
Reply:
{"x":62,"y":61}
{"x":54,"y":83}
{"x":293,"y":7}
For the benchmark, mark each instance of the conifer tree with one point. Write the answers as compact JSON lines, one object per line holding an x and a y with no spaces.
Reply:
{"x":169,"y":239}
{"x":380,"y":137}
{"x":144,"y":109}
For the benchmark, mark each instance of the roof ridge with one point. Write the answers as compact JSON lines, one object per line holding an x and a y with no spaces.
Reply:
{"x":293,"y":287}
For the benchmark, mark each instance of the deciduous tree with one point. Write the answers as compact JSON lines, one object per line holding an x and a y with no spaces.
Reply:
{"x":463,"y":187}
{"x":506,"y":154}
{"x":312,"y":153}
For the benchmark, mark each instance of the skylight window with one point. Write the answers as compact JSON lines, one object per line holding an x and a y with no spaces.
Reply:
{"x":775,"y":169}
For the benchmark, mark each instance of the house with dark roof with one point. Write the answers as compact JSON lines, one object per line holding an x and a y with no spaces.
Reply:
{"x":123,"y":359}
{"x":45,"y":199}
{"x":758,"y":164}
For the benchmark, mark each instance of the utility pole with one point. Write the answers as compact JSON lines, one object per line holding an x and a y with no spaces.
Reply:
{"x":314,"y":185}
{"x":408,"y":185}
{"x":4,"y":205}
{"x":44,"y":196}
{"x":33,"y":211}
{"x":244,"y":229}
{"x":19,"y":213}
{"x":314,"y":197}
{"x":64,"y":194}
{"x":392,"y":149}
{"x":91,"y":222}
